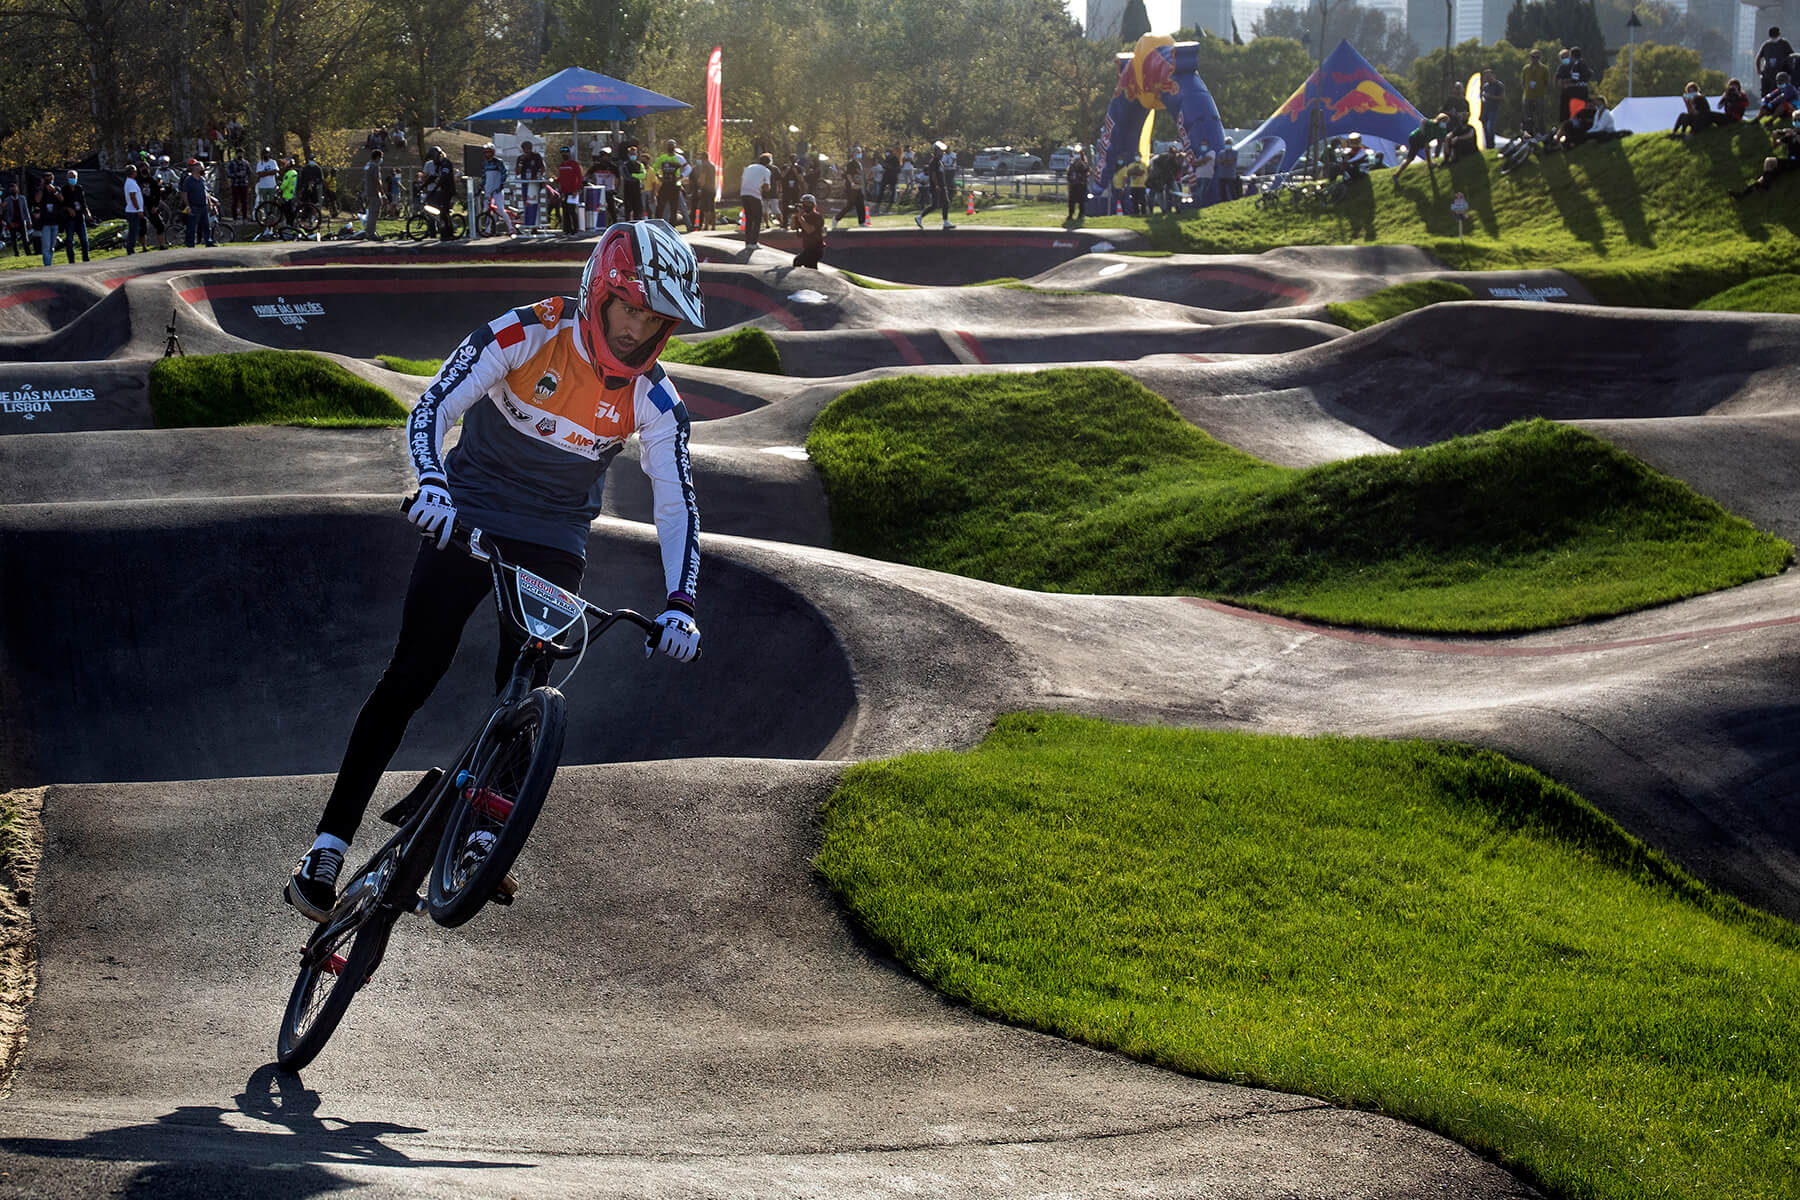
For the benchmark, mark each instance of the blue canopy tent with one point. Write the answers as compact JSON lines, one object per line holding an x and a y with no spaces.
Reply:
{"x":577,"y":92}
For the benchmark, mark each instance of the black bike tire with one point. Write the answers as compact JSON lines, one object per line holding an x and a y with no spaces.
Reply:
{"x":451,"y":905}
{"x":458,"y":226}
{"x":306,"y":216}
{"x":295,"y":1049}
{"x":419,"y":227}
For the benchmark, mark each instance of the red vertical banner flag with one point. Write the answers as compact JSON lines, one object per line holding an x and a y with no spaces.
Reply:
{"x":715,"y":118}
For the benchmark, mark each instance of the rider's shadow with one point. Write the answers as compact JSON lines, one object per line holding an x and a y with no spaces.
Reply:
{"x":195,"y":1150}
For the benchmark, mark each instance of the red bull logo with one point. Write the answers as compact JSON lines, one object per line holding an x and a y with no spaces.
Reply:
{"x":1295,"y":104}
{"x":1151,"y":73}
{"x":1368,"y":96}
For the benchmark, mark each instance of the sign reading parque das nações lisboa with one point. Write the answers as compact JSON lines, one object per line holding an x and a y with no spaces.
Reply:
{"x":28,"y":401}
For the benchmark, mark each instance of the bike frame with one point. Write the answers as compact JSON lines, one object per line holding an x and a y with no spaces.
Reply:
{"x":374,"y":882}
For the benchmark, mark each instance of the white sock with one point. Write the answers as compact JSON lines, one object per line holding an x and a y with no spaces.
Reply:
{"x":326,"y":841}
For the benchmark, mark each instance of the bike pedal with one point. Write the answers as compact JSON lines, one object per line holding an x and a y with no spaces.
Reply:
{"x":506,"y":890}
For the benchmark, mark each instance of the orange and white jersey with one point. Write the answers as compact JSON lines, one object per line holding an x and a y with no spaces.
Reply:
{"x":539,"y":428}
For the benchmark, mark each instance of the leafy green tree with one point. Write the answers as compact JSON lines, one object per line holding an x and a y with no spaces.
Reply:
{"x":1564,"y":22}
{"x":1251,"y":81}
{"x":1383,"y":42}
{"x":1661,"y":71}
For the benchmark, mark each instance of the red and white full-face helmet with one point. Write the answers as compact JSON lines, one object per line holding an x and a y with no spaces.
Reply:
{"x":647,"y":265}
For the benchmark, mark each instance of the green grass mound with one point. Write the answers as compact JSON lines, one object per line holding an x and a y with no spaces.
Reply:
{"x":740,"y":350}
{"x":410,"y":366}
{"x":1427,"y":931}
{"x":1394,"y":301}
{"x":1770,"y":294}
{"x":1643,"y":221}
{"x":265,"y":387}
{"x":1083,"y":481}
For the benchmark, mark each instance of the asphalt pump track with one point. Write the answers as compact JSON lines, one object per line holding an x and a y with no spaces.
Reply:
{"x":677,"y":1007}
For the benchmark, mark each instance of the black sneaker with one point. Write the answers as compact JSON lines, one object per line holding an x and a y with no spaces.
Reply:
{"x":312,"y":888}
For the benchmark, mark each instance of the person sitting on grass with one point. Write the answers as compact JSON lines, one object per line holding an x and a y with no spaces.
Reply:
{"x":1352,"y":159}
{"x":1778,"y":105}
{"x":1576,"y":130}
{"x":1697,"y":115}
{"x":1419,"y":142}
{"x":1460,"y":141}
{"x":1733,"y":104}
{"x":1786,"y":158}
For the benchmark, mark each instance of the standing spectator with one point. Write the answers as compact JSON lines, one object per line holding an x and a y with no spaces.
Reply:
{"x":1078,"y":184}
{"x":134,"y":209}
{"x":1572,"y":79}
{"x":1493,"y":96}
{"x":1225,"y":169}
{"x":752,"y":186}
{"x":809,"y":222}
{"x":75,"y":210}
{"x":1133,"y":179}
{"x":705,"y":179}
{"x":853,"y":190}
{"x":287,"y":189}
{"x":530,"y":164}
{"x":48,"y":212}
{"x":237,"y":173}
{"x":528,"y":169}
{"x":811,"y":174}
{"x":312,"y":182}
{"x":632,"y":174}
{"x":568,"y":182}
{"x":890,"y":181}
{"x":154,"y":192}
{"x":393,"y":192}
{"x":268,"y":178}
{"x":604,"y":174}
{"x":793,"y":184}
{"x":1534,"y":93}
{"x":199,"y":205}
{"x":934,"y":187}
{"x":666,"y":171}
{"x":372,"y":194}
{"x":1206,"y":166}
{"x":493,"y":184}
{"x":15,"y":217}
{"x":441,"y":192}
{"x":1771,"y":57}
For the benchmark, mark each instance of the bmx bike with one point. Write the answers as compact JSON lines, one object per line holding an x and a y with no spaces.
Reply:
{"x":424,"y":223}
{"x":460,"y":829}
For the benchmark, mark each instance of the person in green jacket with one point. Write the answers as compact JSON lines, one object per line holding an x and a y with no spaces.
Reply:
{"x":286,"y":187}
{"x":1418,"y":142}
{"x":1534,"y":93}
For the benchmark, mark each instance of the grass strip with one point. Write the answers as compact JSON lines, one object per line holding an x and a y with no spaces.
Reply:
{"x":1770,"y":294}
{"x":265,"y":387}
{"x":746,"y":349}
{"x":1393,"y":301}
{"x":1083,"y":481}
{"x":1428,"y":931}
{"x":410,"y":366}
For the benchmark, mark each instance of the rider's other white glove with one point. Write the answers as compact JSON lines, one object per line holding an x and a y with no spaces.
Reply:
{"x":679,"y":638}
{"x":433,"y":512}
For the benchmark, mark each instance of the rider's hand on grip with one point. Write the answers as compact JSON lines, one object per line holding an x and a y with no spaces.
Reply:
{"x":433,"y":512}
{"x":677,"y":636}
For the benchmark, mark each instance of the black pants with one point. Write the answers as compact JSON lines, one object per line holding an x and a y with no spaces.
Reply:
{"x":1077,"y":202}
{"x":753,"y":218}
{"x":810,"y":253}
{"x":668,"y":201}
{"x":446,"y":588}
{"x":935,"y":198}
{"x":853,"y":203}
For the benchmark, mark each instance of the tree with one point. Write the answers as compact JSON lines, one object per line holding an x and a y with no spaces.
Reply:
{"x":1135,"y":23}
{"x":1660,"y":71}
{"x":1666,"y":25}
{"x":1249,"y":82}
{"x":1564,"y":22}
{"x":1377,"y":39}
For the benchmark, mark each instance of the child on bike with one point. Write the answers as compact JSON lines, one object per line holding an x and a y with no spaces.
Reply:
{"x":548,"y":394}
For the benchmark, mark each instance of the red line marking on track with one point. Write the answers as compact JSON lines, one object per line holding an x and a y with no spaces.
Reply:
{"x":27,"y":296}
{"x":908,"y":352}
{"x":974,"y":345}
{"x":1256,"y":283}
{"x":1483,"y":649}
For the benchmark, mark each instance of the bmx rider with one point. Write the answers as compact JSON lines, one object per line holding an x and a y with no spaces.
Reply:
{"x":548,"y":395}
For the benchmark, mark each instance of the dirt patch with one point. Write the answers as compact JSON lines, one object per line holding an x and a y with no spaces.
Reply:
{"x":21,"y":848}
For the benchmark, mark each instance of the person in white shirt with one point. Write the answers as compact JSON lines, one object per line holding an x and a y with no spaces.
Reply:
{"x":134,"y":209}
{"x":757,"y":179}
{"x":268,"y":179}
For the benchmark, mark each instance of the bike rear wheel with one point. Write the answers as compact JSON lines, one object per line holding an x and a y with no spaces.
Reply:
{"x":490,"y":225}
{"x":419,"y":227}
{"x":329,"y":979}
{"x":496,"y":805}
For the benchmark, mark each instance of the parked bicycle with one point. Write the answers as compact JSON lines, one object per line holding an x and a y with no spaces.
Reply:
{"x":1518,"y":152}
{"x":498,"y":218}
{"x":426,"y":221}
{"x":297,"y":220}
{"x":461,"y":828}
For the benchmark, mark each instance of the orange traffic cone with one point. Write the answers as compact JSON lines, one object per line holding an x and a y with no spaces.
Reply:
{"x":971,"y":209}
{"x":740,"y":220}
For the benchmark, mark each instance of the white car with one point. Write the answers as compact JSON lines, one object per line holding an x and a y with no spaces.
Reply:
{"x":1019,"y":162}
{"x":988,"y":158}
{"x":1062,"y":156}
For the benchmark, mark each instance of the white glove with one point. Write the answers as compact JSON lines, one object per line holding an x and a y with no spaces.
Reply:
{"x":433,"y":512}
{"x":680,"y":638}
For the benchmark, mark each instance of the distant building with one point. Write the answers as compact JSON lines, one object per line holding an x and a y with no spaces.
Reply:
{"x":1104,"y":17}
{"x":1214,"y":15}
{"x":1426,"y":21}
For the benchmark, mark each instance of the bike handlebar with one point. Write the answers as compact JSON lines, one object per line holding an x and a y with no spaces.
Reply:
{"x":472,"y":542}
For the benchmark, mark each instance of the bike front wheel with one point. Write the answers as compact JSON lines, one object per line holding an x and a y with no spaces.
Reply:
{"x":419,"y":227}
{"x":330,"y":976}
{"x":497,"y":802}
{"x":490,"y":225}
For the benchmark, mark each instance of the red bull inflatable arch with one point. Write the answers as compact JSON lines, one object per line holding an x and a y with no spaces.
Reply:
{"x":1351,"y":96}
{"x":1159,"y":73}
